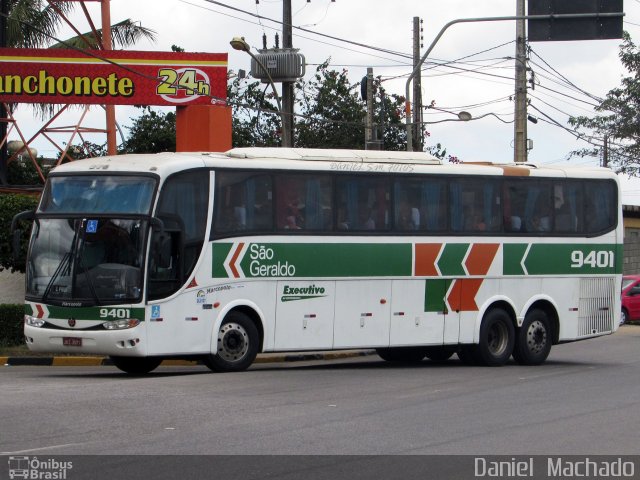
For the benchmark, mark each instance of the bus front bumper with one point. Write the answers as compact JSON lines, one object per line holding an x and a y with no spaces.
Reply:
{"x":129,"y":342}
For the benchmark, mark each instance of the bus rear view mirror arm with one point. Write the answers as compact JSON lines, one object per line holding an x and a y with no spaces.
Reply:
{"x":16,"y":233}
{"x":162,"y":244}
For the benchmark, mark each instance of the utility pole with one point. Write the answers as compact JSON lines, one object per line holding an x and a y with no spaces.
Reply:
{"x":605,"y":152}
{"x":4,"y":153}
{"x":287,"y":87}
{"x":110,"y":109}
{"x":370,"y":132}
{"x":417,"y":89}
{"x":520,"y":124}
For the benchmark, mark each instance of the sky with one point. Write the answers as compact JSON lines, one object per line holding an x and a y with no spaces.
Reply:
{"x":480,"y":81}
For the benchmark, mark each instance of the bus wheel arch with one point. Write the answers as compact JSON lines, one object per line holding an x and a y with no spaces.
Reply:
{"x":236,"y":340}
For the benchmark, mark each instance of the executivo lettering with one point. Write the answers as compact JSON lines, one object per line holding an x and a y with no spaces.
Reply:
{"x":291,"y":294}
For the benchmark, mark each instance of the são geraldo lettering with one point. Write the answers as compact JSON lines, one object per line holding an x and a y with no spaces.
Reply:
{"x":260,"y":255}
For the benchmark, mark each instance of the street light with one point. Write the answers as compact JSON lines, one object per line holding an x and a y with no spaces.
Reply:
{"x":239,"y":43}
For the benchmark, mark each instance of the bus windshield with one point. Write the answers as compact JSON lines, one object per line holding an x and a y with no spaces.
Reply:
{"x":87,"y":194}
{"x":86,"y":261}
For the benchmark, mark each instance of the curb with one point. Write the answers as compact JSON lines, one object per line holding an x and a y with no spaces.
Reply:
{"x":105,"y":361}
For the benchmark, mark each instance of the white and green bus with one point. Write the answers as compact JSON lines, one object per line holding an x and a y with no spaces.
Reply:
{"x":221,"y":256}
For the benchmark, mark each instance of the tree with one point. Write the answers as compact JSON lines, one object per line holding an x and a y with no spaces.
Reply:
{"x":152,"y":132}
{"x":34,"y":23}
{"x":10,"y":205}
{"x":618,"y":118}
{"x":332,"y":114}
{"x":255,"y":117}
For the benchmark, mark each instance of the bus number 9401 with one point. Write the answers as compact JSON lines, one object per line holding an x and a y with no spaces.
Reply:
{"x":115,"y":313}
{"x":594,"y":259}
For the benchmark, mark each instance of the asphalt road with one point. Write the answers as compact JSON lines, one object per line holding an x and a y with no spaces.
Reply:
{"x":584,"y":400}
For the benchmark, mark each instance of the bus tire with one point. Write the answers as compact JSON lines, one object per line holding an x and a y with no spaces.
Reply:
{"x":236,"y":344}
{"x":401,"y":354}
{"x":533,"y":342}
{"x":468,"y":354}
{"x":439,"y":354}
{"x":136,"y":365}
{"x":497,"y":338}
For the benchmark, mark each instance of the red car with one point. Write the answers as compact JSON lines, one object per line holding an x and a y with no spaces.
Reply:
{"x":630,"y":298}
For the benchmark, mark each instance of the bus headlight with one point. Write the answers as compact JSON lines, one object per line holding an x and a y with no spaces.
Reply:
{"x":121,"y":324}
{"x":33,"y":321}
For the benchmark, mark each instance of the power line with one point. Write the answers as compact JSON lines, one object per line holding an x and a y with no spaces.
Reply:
{"x":379,"y":49}
{"x":298,"y":36}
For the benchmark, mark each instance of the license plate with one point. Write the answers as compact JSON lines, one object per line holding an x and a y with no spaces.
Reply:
{"x":72,"y":341}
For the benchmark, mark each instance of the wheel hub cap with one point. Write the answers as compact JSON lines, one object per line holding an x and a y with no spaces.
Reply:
{"x":233,"y":342}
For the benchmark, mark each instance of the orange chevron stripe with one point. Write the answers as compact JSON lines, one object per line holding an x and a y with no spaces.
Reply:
{"x":234,"y":258}
{"x":481,"y":257}
{"x":426,"y":255}
{"x":462,"y":297}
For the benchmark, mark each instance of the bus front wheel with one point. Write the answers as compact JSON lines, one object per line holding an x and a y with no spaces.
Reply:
{"x":236,"y":344}
{"x":497,"y":338}
{"x":534,"y":339}
{"x":136,"y":365}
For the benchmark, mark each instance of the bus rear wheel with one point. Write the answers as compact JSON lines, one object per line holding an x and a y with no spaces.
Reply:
{"x":136,"y":365}
{"x":402,"y":354}
{"x":534,"y":339}
{"x":236,"y":344}
{"x":497,"y":338}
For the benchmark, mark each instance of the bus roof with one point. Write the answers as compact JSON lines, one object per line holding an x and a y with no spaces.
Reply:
{"x":165,"y":164}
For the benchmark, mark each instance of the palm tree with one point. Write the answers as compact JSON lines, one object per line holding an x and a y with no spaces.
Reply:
{"x":34,"y":23}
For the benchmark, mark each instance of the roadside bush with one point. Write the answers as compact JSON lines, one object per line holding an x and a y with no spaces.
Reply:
{"x":10,"y":204}
{"x":11,"y":325}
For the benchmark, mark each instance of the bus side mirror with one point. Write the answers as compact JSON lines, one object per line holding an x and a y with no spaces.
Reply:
{"x":16,"y":233}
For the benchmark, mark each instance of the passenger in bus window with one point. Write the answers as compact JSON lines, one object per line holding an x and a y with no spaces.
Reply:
{"x":365,"y":218}
{"x":565,"y":219}
{"x":408,"y":217}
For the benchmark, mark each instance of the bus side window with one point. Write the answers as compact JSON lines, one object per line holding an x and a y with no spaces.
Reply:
{"x":304,"y":202}
{"x":363,"y":203}
{"x":567,"y":201}
{"x":243,"y":203}
{"x":600,"y":206}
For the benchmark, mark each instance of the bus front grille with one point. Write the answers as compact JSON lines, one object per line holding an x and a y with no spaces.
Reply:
{"x":596,"y":308}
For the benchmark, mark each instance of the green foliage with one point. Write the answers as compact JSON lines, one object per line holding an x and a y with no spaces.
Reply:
{"x":152,"y":132}
{"x":333,"y":114}
{"x":10,"y":205}
{"x":23,"y":172}
{"x":255,"y":118}
{"x":123,"y":34}
{"x":11,"y":325}
{"x":617,"y":117}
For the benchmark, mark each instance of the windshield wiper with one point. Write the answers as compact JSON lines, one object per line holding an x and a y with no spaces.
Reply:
{"x":64,"y":263}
